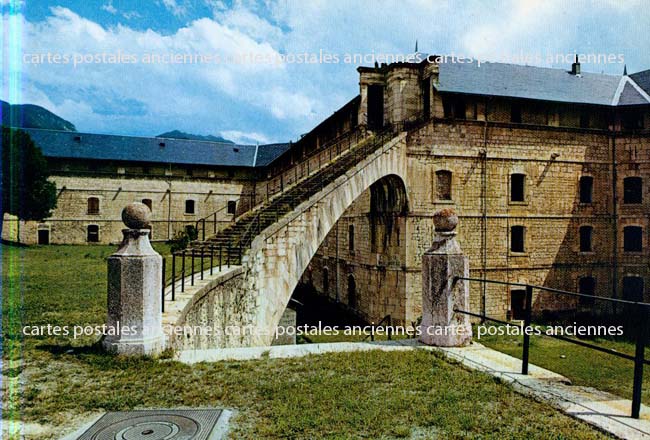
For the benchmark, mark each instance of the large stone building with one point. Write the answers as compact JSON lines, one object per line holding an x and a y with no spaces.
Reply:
{"x":547,"y":169}
{"x":184,"y":182}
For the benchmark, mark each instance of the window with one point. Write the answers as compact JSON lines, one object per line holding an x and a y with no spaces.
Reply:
{"x":584,"y":119}
{"x":587,"y":286}
{"x":586,"y":189}
{"x":515,"y":113}
{"x":586,"y":233}
{"x":375,"y":106}
{"x":232,"y":207}
{"x":454,"y":107}
{"x":351,"y":238}
{"x":443,"y":185}
{"x":517,"y":239}
{"x":633,"y":288}
{"x":93,"y":205}
{"x":517,"y":187}
{"x":43,"y":236}
{"x":326,"y":281}
{"x":190,"y":207}
{"x":632,"y":190}
{"x":632,"y":239}
{"x":352,"y":292}
{"x":148,"y":203}
{"x":517,"y":304}
{"x":92,"y":234}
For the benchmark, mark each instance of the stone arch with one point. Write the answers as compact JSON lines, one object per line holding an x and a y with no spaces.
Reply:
{"x":280,"y":254}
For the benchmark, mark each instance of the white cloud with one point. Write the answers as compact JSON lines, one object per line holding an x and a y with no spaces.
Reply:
{"x":175,"y":8}
{"x":108,"y":7}
{"x":245,"y":138}
{"x":185,"y":96}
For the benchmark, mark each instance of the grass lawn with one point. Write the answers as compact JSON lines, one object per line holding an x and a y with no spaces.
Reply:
{"x":582,"y":365}
{"x":53,"y":380}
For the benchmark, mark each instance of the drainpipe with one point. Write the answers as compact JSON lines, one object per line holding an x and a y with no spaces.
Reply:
{"x":338,"y":297}
{"x":484,"y":213}
{"x":169,"y":210}
{"x":615,"y":219}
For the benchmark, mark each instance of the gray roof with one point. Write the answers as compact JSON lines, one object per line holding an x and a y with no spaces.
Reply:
{"x":529,"y":82}
{"x":74,"y":145}
{"x":642,"y":79}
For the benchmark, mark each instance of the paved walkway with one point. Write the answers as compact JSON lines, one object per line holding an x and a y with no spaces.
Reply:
{"x":602,"y":410}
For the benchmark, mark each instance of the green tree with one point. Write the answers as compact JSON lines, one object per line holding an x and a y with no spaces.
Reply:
{"x":26,"y":191}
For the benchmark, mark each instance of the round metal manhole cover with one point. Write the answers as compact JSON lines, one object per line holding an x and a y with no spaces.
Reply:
{"x":156,"y":427}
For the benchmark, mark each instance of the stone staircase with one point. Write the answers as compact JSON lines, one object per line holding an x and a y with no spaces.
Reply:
{"x":231,"y":243}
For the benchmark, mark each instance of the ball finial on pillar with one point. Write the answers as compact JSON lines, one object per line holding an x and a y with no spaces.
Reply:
{"x":443,"y":289}
{"x":136,"y":216}
{"x":445,"y":220}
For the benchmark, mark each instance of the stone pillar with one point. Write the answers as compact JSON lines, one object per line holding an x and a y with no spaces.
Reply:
{"x":441,"y":326}
{"x":134,"y":285}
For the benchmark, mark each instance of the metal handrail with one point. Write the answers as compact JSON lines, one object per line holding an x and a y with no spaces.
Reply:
{"x":386,"y":318}
{"x":642,"y":335}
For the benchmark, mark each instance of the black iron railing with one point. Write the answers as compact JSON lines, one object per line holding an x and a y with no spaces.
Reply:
{"x":213,"y":218}
{"x":389,"y":332}
{"x":641,"y":312}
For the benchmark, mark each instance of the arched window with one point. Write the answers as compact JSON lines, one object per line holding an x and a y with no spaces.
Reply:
{"x":586,"y":189}
{"x":93,"y":205}
{"x":190,"y":207}
{"x":587,"y":286}
{"x":517,"y":239}
{"x":633,"y":239}
{"x":586,"y":233}
{"x":326,"y":281}
{"x":232,"y":206}
{"x":633,"y":288}
{"x":517,"y":187}
{"x":352,"y":292}
{"x":148,"y":203}
{"x":443,"y":185}
{"x":632,"y":190}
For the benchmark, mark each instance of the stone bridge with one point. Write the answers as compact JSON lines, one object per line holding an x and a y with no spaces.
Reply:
{"x":244,"y":304}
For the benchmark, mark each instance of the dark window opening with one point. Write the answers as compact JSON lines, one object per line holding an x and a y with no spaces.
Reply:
{"x":93,"y":205}
{"x":586,"y":189}
{"x":517,"y":187}
{"x":454,"y":107}
{"x":633,"y":239}
{"x":632,"y":190}
{"x":517,"y":304}
{"x":586,"y":233}
{"x":189,"y":207}
{"x":584,"y":119}
{"x":632,"y":120}
{"x":426,"y":98}
{"x":232,"y":207}
{"x":92,"y":234}
{"x":148,"y":203}
{"x":352,"y":292}
{"x":587,"y":286}
{"x":515,"y":113}
{"x":517,"y":234}
{"x":43,"y":236}
{"x":633,"y":288}
{"x":326,"y":281}
{"x":375,"y":106}
{"x":351,"y":238}
{"x":443,"y":185}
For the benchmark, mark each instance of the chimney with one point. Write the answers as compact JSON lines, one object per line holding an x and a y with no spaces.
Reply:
{"x":575,"y":67}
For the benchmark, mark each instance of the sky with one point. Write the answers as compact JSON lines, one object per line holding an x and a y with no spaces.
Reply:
{"x":271,"y":70}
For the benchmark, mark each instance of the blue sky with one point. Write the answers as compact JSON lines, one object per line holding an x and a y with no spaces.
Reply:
{"x":248,"y":100}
